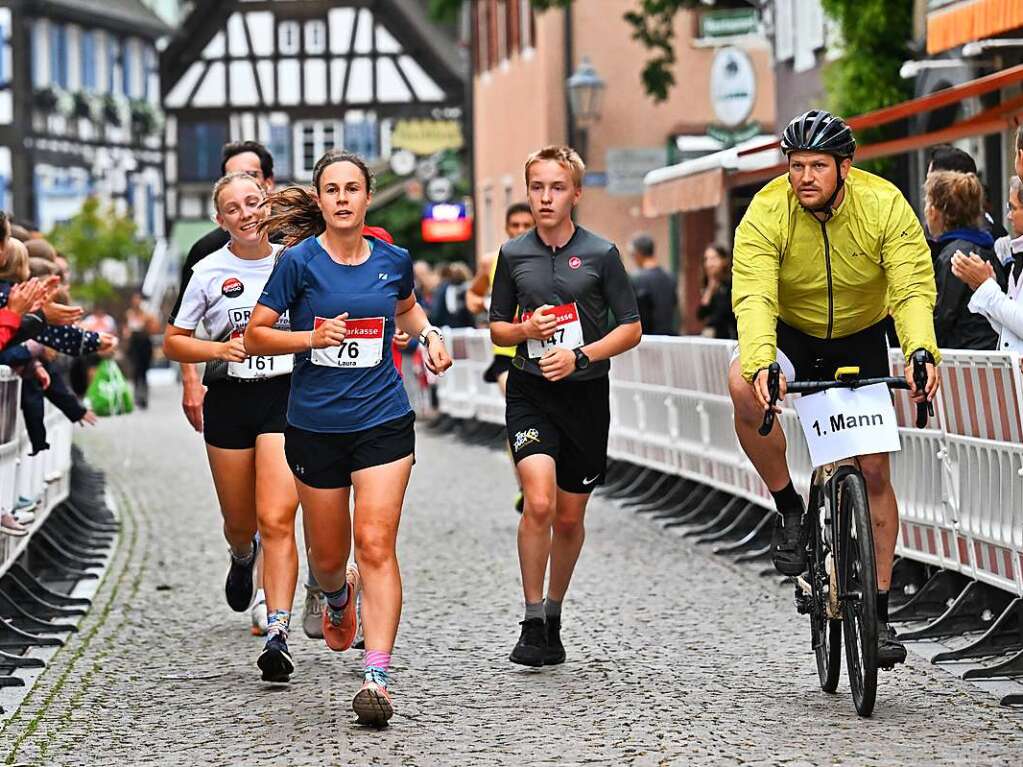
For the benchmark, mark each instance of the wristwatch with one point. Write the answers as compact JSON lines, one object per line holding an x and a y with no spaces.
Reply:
{"x":424,"y":334}
{"x":581,"y":360}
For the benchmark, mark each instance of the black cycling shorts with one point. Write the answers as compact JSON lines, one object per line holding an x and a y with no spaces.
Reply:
{"x":326,"y":460}
{"x":817,"y":359}
{"x":567,"y":420}
{"x":236,"y":412}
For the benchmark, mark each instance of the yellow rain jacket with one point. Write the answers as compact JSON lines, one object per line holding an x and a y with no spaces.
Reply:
{"x":835,"y":279}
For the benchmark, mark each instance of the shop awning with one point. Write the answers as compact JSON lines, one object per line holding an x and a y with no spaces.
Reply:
{"x":670,"y":190}
{"x":975,"y":20}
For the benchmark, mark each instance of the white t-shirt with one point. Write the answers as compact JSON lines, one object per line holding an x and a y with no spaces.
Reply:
{"x":221,"y":294}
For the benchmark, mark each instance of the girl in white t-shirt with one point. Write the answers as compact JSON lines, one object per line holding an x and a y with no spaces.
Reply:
{"x":244,"y":412}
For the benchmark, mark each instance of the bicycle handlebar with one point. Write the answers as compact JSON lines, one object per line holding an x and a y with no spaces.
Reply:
{"x":923,"y":409}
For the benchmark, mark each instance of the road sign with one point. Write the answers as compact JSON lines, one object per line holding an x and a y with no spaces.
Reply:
{"x":403,"y":162}
{"x":439,"y":189}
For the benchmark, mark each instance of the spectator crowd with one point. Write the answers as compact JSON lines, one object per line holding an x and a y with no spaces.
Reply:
{"x":45,"y":340}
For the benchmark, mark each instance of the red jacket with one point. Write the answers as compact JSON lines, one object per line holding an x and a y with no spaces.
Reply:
{"x":10,"y":322}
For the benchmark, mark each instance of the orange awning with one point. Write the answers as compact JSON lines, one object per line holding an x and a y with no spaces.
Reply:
{"x":964,"y":22}
{"x":696,"y":192}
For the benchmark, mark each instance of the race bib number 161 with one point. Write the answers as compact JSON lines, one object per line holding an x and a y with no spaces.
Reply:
{"x":363,"y":346}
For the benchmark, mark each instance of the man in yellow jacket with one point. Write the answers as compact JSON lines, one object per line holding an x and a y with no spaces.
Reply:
{"x":822,"y":257}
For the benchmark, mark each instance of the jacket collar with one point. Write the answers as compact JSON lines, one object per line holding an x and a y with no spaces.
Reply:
{"x":976,"y":236}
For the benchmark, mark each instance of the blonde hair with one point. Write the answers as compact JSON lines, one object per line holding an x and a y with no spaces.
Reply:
{"x":15,"y":266}
{"x":229,"y":179}
{"x":565,"y":156}
{"x":958,"y":197}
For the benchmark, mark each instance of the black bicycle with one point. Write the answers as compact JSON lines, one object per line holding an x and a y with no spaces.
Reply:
{"x":839,"y":589}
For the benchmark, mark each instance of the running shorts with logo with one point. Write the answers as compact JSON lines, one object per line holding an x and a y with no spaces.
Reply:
{"x":327,"y":461}
{"x":567,"y":420}
{"x":799,"y":353}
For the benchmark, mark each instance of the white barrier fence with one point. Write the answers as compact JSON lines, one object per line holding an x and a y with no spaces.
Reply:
{"x":45,"y":477}
{"x":959,"y":481}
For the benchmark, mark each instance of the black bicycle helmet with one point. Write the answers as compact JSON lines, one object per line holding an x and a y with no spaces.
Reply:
{"x":818,"y":131}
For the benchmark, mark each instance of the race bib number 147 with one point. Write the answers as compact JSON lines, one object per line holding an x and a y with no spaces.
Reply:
{"x":568,"y":334}
{"x":363,"y":346}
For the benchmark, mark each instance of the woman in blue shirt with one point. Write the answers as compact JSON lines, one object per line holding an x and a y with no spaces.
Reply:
{"x":349,"y":420}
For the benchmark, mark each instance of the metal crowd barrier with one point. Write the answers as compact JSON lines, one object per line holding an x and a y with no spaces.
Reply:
{"x":959,"y":481}
{"x":45,"y":477}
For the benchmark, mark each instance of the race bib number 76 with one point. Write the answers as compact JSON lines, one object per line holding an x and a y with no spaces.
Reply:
{"x":363,"y":346}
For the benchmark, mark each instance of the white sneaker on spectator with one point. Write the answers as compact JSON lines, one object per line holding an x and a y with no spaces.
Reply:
{"x":11,"y":526}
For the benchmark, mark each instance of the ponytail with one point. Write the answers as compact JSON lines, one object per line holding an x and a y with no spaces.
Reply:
{"x":294,"y":215}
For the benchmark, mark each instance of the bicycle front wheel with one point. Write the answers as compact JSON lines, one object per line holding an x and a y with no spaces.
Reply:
{"x":858,"y":584}
{"x":825,"y":633}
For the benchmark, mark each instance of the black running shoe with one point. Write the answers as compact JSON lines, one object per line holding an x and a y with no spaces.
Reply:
{"x":788,"y":544}
{"x":240,"y":586}
{"x":532,"y":646}
{"x":555,"y":650}
{"x":890,"y":651}
{"x":275,"y":661}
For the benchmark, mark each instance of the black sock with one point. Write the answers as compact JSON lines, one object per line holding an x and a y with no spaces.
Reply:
{"x":787,"y":500}
{"x":882,"y":606}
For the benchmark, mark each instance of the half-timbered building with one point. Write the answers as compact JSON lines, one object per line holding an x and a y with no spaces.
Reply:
{"x":79,"y":109}
{"x":301,"y":76}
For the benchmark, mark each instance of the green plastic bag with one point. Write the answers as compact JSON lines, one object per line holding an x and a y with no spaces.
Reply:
{"x":109,"y":392}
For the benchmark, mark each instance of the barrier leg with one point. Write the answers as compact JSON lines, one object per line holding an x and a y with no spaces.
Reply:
{"x":908,"y":577}
{"x":669,"y":500}
{"x":93,"y":523}
{"x":78,"y":550}
{"x":705,"y":509}
{"x":11,"y":636}
{"x":39,"y":606}
{"x":9,"y":660}
{"x":1010,"y":668}
{"x":973,"y":610}
{"x":740,"y":524}
{"x":41,"y":542}
{"x":1005,"y":635}
{"x":720,"y":519}
{"x":631,"y":471}
{"x":25,"y":621}
{"x":756,"y":555}
{"x":52,"y":562}
{"x":933,"y":599}
{"x":62,"y":532}
{"x":27,"y":581}
{"x":656,"y":490}
{"x":756,"y":538}
{"x":639,"y":485}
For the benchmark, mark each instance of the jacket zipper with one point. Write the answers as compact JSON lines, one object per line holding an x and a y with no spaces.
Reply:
{"x":831,"y":288}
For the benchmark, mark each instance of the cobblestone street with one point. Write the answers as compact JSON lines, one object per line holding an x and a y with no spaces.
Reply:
{"x":675,"y":657}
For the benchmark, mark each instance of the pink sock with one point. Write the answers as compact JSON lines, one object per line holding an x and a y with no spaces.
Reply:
{"x":377,"y":659}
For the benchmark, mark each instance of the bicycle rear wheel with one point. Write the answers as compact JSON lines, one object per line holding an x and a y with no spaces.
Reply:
{"x":825,"y":634}
{"x":858,"y":583}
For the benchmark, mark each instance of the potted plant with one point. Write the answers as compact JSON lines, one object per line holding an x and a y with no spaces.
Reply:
{"x":145,"y":120}
{"x":111,"y":110}
{"x":45,"y":98}
{"x":84,"y":106}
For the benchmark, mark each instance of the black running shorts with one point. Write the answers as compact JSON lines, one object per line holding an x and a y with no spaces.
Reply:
{"x":567,"y":420}
{"x":867,"y":350}
{"x":326,"y":460}
{"x":235,"y":412}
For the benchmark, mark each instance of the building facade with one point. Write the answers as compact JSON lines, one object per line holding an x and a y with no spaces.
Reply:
{"x":521,"y":62}
{"x":79,"y":110}
{"x":300,"y":76}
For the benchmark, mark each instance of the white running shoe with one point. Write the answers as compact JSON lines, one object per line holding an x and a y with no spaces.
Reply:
{"x":312,"y":613}
{"x":259,"y":615}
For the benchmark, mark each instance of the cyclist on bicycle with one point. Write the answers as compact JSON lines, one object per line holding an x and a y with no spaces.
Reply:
{"x":822,"y":256}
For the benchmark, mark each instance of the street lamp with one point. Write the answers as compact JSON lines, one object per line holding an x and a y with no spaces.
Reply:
{"x":911,"y":69}
{"x":585,"y":100}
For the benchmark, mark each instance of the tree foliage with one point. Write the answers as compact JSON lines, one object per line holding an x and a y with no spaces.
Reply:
{"x":94,"y":235}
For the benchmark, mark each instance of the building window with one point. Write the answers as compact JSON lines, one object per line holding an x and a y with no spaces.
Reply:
{"x":525,"y":24}
{"x":88,"y":60}
{"x":5,"y":52}
{"x":361,"y":138}
{"x":280,"y":148}
{"x":126,"y":70}
{"x":289,"y":38}
{"x":113,"y":57}
{"x":483,"y":36}
{"x":199,"y":147}
{"x":501,"y":33}
{"x":58,"y":55}
{"x":150,"y":211}
{"x":150,"y":69}
{"x":314,"y":138}
{"x":315,"y":37}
